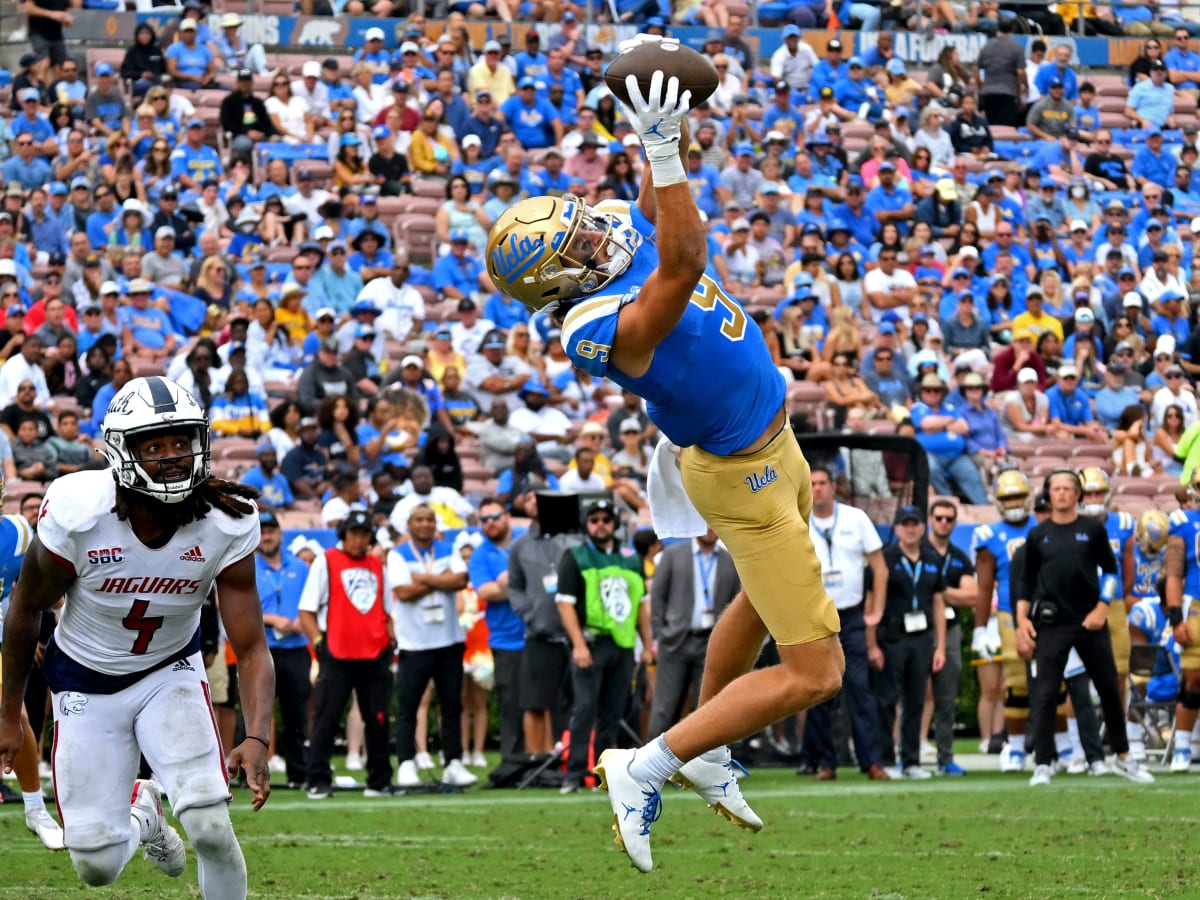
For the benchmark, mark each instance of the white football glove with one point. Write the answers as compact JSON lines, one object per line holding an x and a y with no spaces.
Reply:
{"x":982,"y":644}
{"x":657,"y":118}
{"x":638,"y":39}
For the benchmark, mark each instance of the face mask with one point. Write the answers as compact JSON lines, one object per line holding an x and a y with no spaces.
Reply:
{"x":1079,"y":192}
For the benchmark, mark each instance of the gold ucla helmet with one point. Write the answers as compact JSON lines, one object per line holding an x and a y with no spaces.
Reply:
{"x":1094,"y":480}
{"x":1014,"y":496}
{"x":549,"y":251}
{"x":1193,"y":485}
{"x":1153,"y":529}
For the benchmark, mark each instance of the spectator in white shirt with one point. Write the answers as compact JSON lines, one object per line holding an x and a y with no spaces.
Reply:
{"x":25,"y":365}
{"x":545,"y":424}
{"x":452,"y":509}
{"x":347,"y":495}
{"x":583,"y":477}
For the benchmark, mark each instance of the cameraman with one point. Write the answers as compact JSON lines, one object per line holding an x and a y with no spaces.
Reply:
{"x":1069,"y":608}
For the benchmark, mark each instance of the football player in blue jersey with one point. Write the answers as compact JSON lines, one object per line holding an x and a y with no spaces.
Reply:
{"x":994,"y":546}
{"x":1097,"y":494}
{"x":1182,"y":567}
{"x":639,"y":304}
{"x":16,"y":535}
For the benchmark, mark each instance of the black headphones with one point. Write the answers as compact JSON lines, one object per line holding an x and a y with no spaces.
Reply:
{"x":356,"y":518}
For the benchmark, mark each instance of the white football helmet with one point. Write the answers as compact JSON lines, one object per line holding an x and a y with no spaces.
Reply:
{"x":145,"y":406}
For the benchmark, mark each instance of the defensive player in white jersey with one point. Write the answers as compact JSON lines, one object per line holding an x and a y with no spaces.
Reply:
{"x":135,"y":550}
{"x":16,"y":536}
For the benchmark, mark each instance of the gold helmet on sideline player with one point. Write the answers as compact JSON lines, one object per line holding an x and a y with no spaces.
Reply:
{"x":1152,"y":531}
{"x":1193,"y":486}
{"x":1095,"y":480}
{"x":1014,"y":496}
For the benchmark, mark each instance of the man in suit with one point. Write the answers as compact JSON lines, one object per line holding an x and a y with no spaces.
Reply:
{"x":693,"y":582}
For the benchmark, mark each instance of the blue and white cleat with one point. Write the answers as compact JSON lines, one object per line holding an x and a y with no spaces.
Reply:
{"x":1181,"y":759}
{"x":636,"y":805}
{"x":717,"y":783}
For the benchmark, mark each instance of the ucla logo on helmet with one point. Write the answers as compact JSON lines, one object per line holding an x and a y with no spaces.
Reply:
{"x":520,"y":253}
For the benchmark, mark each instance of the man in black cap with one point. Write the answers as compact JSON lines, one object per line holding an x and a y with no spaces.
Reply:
{"x":168,"y":216}
{"x":911,"y":639}
{"x":599,"y":597}
{"x":245,"y":116}
{"x":494,"y":375}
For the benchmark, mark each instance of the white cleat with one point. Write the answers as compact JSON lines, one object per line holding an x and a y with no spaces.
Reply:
{"x":276,"y":765}
{"x":1042,"y":776}
{"x":478,"y":761}
{"x":915,"y":773}
{"x":1097,"y":767}
{"x":456,"y":775}
{"x":1077,"y":766}
{"x":424,"y":761}
{"x":41,"y":823}
{"x":636,"y":806}
{"x":1133,"y":770}
{"x":164,"y":846}
{"x":718,"y":784}
{"x":1181,"y":759}
{"x":354,"y":763}
{"x":1012,"y":759}
{"x":408,"y":776}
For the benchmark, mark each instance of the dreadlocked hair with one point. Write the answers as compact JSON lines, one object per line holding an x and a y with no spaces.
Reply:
{"x":233,"y":499}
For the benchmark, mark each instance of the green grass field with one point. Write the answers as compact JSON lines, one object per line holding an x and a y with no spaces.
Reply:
{"x":944,"y":838}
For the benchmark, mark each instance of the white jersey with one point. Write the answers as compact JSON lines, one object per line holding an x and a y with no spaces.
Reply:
{"x":132,"y":608}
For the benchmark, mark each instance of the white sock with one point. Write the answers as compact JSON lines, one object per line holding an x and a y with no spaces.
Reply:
{"x":1133,"y":732}
{"x":143,"y":825}
{"x":1062,"y":743}
{"x":654,"y":762}
{"x":1073,"y":734}
{"x":33,"y":801}
{"x":720,"y":755}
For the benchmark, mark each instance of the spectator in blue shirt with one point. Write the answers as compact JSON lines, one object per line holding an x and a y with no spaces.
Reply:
{"x":375,"y":56}
{"x":105,"y":214}
{"x":1115,"y":396}
{"x":145,"y":330}
{"x":857,"y":94}
{"x":532,"y":119}
{"x":27,"y":168}
{"x":505,"y":312}
{"x":1071,"y":409}
{"x":190,"y":62}
{"x":457,"y":274}
{"x":890,"y":203}
{"x":30,"y":121}
{"x":1182,"y":62}
{"x":1061,"y":69}
{"x":265,"y":477}
{"x":1151,"y":102}
{"x":193,"y":161}
{"x":942,"y":430}
{"x":1152,"y":163}
{"x":987,"y":444}
{"x":829,"y":70}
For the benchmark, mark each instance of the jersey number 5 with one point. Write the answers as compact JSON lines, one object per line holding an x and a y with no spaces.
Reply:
{"x":708,"y":296}
{"x":145,"y":626}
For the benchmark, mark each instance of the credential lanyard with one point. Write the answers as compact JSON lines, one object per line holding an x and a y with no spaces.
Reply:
{"x":706,"y":570}
{"x":914,"y":572}
{"x":828,"y":533}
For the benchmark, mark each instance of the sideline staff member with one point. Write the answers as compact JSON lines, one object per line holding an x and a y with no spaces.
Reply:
{"x":846,"y":542}
{"x":912,"y":636}
{"x":1063,"y":603}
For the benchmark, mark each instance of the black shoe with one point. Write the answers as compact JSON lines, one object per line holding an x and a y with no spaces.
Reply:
{"x":7,"y":795}
{"x":806,"y":768}
{"x":996,"y":743}
{"x":320,"y":792}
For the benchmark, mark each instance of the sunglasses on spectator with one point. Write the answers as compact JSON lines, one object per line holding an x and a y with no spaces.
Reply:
{"x":494,"y":517}
{"x":951,"y":519}
{"x":600,"y":518}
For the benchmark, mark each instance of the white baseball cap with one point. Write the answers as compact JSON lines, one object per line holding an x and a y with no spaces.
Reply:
{"x":311,"y":69}
{"x":374,"y":34}
{"x":1027,"y":375}
{"x":324,"y":232}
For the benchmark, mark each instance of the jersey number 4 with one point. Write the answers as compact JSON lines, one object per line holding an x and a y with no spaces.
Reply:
{"x":708,"y":295}
{"x":145,"y":626}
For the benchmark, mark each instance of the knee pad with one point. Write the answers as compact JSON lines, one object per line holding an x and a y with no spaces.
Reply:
{"x":100,"y":867}
{"x":1189,"y":699}
{"x":209,"y":829}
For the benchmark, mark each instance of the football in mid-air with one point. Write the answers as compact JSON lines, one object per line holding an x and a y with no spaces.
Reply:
{"x":694,"y":70}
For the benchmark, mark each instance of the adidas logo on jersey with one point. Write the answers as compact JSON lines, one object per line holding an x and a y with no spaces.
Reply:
{"x":182,"y":666}
{"x":193,"y":555}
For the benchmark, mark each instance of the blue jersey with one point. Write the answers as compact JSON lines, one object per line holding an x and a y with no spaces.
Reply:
{"x":1119,"y":526}
{"x":1148,"y":617}
{"x":711,"y":382}
{"x":16,"y":535}
{"x":1002,"y":540}
{"x":1185,"y":524}
{"x":1146,"y":572}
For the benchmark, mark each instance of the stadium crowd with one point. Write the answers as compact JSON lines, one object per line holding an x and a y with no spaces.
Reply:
{"x":999,"y":264}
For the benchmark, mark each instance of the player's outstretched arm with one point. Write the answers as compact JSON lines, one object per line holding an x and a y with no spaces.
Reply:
{"x":682,"y":248}
{"x":44,"y":579}
{"x":241,"y":613}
